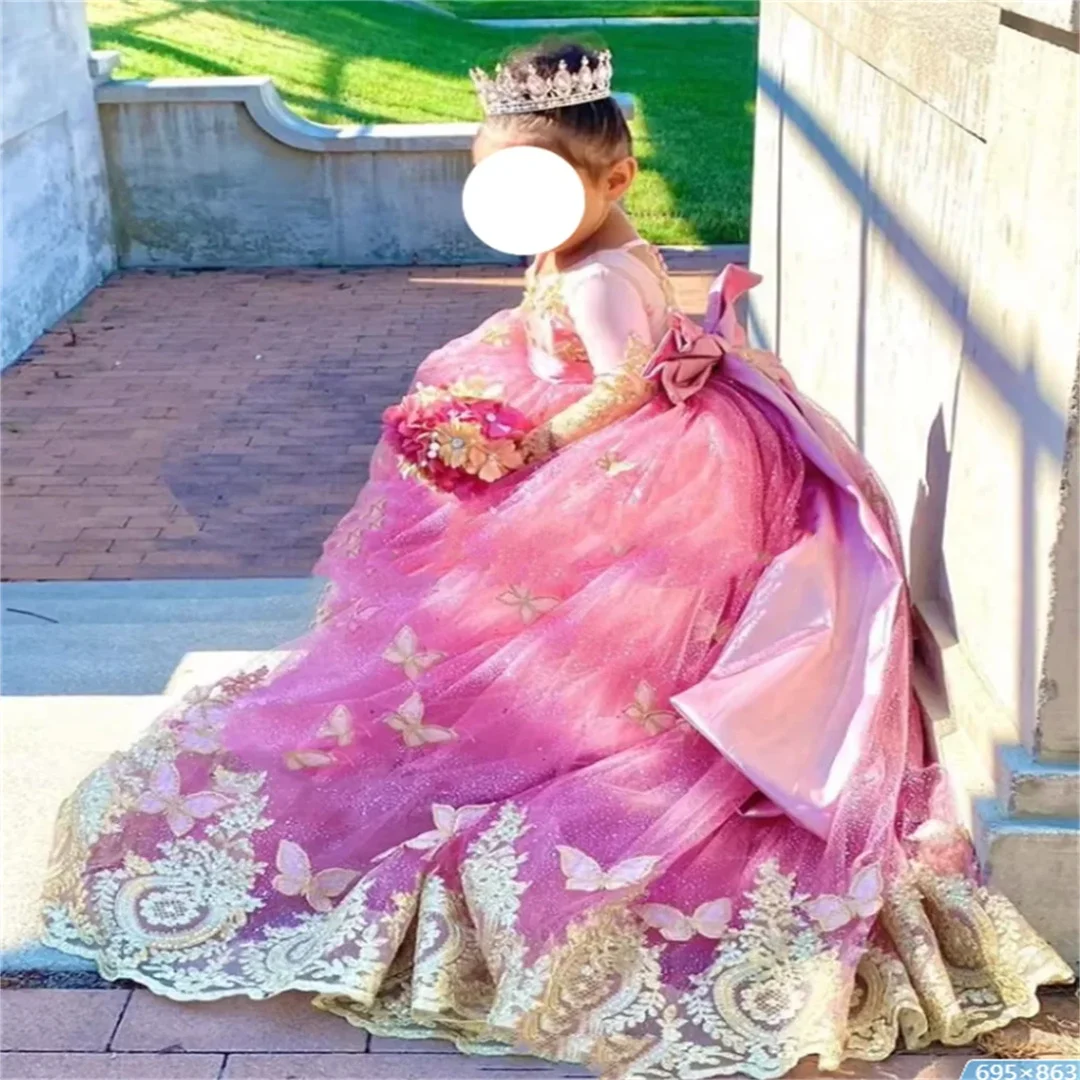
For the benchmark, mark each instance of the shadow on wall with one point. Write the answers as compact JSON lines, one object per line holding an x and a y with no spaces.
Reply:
{"x":1041,"y":425}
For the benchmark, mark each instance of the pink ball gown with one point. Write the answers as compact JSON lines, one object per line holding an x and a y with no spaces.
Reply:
{"x":617,"y":763}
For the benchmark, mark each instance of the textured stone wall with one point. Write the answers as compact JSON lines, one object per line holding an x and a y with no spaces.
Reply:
{"x":914,"y":215}
{"x":57,"y":233}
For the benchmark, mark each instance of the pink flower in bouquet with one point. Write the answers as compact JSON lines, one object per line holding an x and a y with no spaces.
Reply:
{"x":455,"y":442}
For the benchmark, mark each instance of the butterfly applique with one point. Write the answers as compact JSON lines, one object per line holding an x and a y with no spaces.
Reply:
{"x":584,"y":874}
{"x":372,"y":521}
{"x":612,"y":464}
{"x":862,"y":901}
{"x":338,"y":726}
{"x":181,"y":811}
{"x":405,"y":650}
{"x":296,"y":878}
{"x":710,"y":920}
{"x":448,"y":823}
{"x":529,"y":607}
{"x":409,"y":720}
{"x":200,"y":735}
{"x":643,"y":711}
{"x":308,"y":759}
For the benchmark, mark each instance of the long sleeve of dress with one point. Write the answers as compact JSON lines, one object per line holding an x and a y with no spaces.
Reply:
{"x":610,"y":316}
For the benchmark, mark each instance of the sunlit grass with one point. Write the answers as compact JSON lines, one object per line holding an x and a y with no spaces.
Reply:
{"x":556,"y":9}
{"x":365,"y":61}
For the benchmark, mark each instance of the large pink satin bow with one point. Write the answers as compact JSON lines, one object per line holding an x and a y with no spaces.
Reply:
{"x":685,"y":358}
{"x":687,"y":354}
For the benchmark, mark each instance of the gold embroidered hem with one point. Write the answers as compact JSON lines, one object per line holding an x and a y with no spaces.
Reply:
{"x":946,"y":961}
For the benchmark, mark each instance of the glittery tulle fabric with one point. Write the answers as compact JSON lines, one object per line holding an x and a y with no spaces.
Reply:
{"x":466,"y":805}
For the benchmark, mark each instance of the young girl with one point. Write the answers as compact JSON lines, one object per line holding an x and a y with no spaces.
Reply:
{"x":616,"y":763}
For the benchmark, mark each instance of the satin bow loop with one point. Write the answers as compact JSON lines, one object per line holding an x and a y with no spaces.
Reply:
{"x":685,"y":359}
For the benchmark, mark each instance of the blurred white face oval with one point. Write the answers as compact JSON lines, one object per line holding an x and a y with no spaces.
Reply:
{"x":522,"y":200}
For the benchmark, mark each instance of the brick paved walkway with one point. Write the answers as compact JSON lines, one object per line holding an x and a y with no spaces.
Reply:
{"x":218,"y":424}
{"x":132,"y":1035}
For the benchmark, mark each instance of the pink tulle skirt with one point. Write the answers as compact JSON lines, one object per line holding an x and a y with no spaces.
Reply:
{"x":463,"y":804}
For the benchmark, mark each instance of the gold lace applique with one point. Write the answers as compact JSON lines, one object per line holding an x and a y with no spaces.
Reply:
{"x":663,"y":277}
{"x":544,"y":298}
{"x":225,"y":691}
{"x":946,"y":961}
{"x":971,"y":955}
{"x":613,"y":395}
{"x":766,"y":999}
{"x":605,"y":982}
{"x":546,"y":303}
{"x":489,"y":876}
{"x":637,"y":355}
{"x":498,"y":336}
{"x":477,"y":386}
{"x":568,"y":347}
{"x":450,"y":980}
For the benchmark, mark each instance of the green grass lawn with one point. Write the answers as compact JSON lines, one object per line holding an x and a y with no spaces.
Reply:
{"x":344,"y":61}
{"x":579,"y":9}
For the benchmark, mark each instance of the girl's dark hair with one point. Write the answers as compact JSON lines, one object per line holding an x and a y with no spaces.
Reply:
{"x":591,"y":136}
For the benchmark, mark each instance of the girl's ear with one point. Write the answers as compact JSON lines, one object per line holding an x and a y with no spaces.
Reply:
{"x":620,"y":177}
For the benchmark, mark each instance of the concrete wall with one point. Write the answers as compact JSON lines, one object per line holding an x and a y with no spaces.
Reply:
{"x":57,"y":237}
{"x":914,"y":215}
{"x":219,"y":172}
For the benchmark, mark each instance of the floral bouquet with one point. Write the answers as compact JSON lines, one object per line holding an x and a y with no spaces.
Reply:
{"x":455,"y":439}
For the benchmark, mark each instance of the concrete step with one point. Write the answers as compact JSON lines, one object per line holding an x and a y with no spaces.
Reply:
{"x":47,"y":745}
{"x":1022,"y":813}
{"x":1027,"y":787}
{"x":125,"y":602}
{"x":1035,"y":862}
{"x":127,"y":637}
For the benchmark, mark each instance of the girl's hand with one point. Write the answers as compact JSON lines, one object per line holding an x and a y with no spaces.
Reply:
{"x":537,"y":446}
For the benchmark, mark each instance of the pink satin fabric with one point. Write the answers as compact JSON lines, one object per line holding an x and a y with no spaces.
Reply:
{"x":792,"y":695}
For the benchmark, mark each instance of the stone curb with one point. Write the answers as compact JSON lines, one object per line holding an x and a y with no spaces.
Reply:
{"x":704,"y":257}
{"x":259,"y":95}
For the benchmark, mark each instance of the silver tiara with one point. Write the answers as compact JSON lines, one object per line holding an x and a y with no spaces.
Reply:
{"x":533,"y":92}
